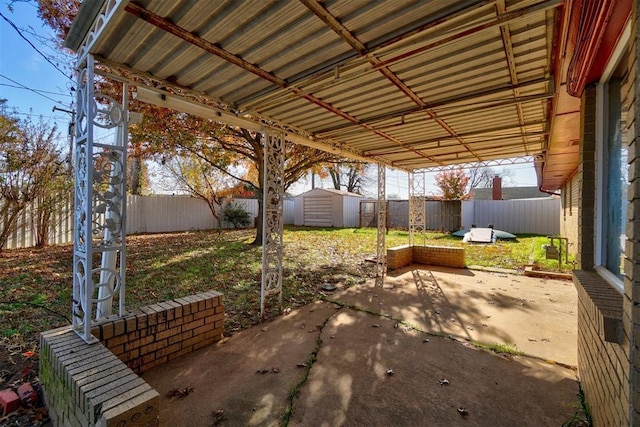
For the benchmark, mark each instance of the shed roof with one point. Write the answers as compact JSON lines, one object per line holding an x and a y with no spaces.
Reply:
{"x":411,"y":84}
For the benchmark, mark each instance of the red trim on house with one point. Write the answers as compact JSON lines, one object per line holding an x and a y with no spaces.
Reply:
{"x":595,"y":29}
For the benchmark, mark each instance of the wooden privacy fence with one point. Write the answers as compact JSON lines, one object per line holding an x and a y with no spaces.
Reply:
{"x":145,"y":214}
{"x":526,"y":216}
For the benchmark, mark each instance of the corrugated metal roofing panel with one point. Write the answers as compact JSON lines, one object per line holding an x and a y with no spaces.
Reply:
{"x":435,"y":76}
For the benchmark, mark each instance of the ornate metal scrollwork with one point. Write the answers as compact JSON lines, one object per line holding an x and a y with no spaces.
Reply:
{"x":272,"y":217}
{"x":381,"y":253}
{"x":100,"y":203}
{"x":417,"y":213}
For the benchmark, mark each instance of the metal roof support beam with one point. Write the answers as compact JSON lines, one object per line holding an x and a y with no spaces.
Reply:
{"x":500,"y":130}
{"x":356,"y":44}
{"x":455,"y":103}
{"x":501,"y":8}
{"x":174,"y":102}
{"x":467,"y":31}
{"x":207,"y":46}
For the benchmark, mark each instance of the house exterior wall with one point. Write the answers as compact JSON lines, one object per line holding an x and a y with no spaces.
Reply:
{"x":631,"y":314}
{"x":569,"y":213}
{"x":608,"y":348}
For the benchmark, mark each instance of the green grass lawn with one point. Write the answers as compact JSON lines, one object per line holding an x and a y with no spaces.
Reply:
{"x":35,"y":284}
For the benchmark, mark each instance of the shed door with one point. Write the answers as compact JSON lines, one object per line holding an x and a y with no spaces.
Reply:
{"x":318,"y":211}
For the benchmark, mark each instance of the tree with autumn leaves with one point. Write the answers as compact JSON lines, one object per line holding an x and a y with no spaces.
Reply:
{"x":33,"y":172}
{"x":453,"y":184}
{"x":171,"y":136}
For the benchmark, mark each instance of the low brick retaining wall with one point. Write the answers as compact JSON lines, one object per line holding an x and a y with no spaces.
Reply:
{"x":401,"y":256}
{"x":98,"y":384}
{"x":153,"y":335}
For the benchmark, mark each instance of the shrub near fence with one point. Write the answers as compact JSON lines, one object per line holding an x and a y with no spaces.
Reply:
{"x":145,"y":214}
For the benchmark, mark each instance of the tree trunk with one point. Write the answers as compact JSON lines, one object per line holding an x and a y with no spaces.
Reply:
{"x":135,"y":170}
{"x":10,"y":215}
{"x":258,"y":239}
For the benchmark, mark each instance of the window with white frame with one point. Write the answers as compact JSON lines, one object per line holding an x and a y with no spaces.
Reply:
{"x":612,"y":167}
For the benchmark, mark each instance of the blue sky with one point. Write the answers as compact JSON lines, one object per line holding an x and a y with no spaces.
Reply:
{"x":22,"y":67}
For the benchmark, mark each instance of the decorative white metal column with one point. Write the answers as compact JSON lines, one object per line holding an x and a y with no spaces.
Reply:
{"x":381,"y":253}
{"x":417,"y":214}
{"x":272,"y":217}
{"x":100,"y":203}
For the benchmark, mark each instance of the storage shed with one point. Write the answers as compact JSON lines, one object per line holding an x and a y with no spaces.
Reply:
{"x":325,"y":207}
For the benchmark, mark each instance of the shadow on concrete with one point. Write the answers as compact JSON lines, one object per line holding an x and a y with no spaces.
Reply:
{"x":363,"y":363}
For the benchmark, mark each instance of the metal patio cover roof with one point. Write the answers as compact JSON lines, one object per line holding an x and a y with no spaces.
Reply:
{"x":414,"y":84}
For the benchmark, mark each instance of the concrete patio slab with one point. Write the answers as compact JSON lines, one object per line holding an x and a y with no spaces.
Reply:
{"x":536,"y":315}
{"x":333,"y":364}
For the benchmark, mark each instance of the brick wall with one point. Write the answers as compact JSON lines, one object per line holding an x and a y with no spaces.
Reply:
{"x":447,"y":256}
{"x":153,"y":335}
{"x":602,"y":360}
{"x":569,"y":214}
{"x":98,"y":384}
{"x":603,"y":366}
{"x":86,"y":385}
{"x":610,"y":371}
{"x":399,"y":256}
{"x":586,"y":175}
{"x":631,"y":316}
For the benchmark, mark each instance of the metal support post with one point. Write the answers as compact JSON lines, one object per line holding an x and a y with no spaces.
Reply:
{"x":381,"y":254}
{"x":99,"y":203}
{"x":272,"y":218}
{"x":417,"y":213}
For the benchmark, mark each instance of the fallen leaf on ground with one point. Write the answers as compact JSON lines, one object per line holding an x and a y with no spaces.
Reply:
{"x":180,"y":392}
{"x":218,"y":416}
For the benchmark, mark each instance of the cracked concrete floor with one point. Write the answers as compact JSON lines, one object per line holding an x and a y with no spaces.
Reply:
{"x":345,"y":365}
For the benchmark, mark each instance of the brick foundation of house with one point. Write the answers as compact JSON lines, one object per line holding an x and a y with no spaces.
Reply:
{"x":98,"y":384}
{"x":401,"y":256}
{"x":603,"y":368}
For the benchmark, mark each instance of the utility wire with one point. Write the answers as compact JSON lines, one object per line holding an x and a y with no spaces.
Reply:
{"x":32,"y":45}
{"x":32,"y":90}
{"x":37,"y":90}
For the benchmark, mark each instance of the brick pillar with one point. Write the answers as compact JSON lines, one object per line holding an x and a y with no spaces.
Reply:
{"x":497,"y":188}
{"x":587,"y":175}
